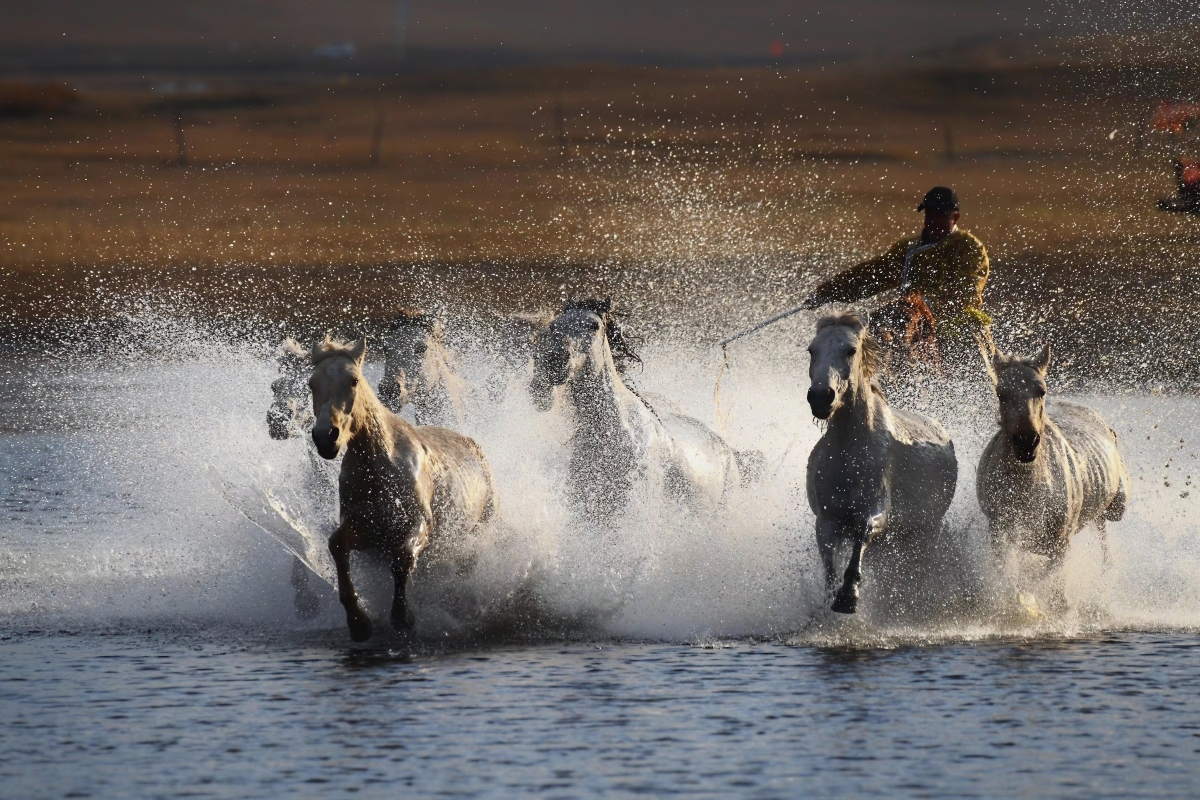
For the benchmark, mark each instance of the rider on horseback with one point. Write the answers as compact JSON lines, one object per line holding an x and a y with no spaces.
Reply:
{"x":939,"y":277}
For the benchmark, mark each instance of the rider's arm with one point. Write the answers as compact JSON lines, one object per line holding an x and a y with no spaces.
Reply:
{"x":972,"y":268}
{"x":879,"y":274}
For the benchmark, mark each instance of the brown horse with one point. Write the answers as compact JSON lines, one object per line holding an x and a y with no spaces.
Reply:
{"x":399,"y":486}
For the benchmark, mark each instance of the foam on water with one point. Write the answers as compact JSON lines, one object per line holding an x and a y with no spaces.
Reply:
{"x":110,"y":516}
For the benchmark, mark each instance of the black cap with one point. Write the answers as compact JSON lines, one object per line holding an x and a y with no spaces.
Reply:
{"x":939,"y":198}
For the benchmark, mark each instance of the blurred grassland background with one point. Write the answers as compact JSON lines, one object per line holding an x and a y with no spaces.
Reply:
{"x":345,"y":194}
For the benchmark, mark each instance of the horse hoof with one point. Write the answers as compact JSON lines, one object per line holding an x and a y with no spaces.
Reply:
{"x":845,"y":603}
{"x":360,"y":628}
{"x":403,"y":621}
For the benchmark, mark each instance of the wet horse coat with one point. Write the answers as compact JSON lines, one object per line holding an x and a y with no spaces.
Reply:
{"x":618,"y":437}
{"x":419,"y":371}
{"x":876,"y":472}
{"x":399,"y":486}
{"x":1051,"y":469}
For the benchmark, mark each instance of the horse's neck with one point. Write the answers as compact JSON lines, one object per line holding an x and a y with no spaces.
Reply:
{"x":371,"y":434}
{"x":861,"y":414}
{"x":603,"y":403}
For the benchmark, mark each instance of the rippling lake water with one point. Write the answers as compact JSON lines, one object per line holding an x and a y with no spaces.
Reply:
{"x":225,"y":714}
{"x":149,"y":646}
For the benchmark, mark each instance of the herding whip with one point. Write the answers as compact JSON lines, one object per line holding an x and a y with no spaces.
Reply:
{"x":763,"y":324}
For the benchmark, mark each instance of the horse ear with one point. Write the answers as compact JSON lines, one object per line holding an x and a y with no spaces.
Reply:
{"x":1041,"y":362}
{"x":318,"y":351}
{"x":358,"y":351}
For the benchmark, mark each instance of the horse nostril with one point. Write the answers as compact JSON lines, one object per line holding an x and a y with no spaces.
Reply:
{"x":820,"y":395}
{"x":1026,"y":443}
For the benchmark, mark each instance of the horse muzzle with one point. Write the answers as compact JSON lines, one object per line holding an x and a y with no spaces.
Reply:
{"x":1025,"y":446}
{"x":279,"y":424}
{"x":327,"y":442}
{"x":821,"y":402}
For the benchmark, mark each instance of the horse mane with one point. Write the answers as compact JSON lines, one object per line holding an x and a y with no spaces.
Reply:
{"x":331,"y":347}
{"x":619,"y":342}
{"x":870,"y":350}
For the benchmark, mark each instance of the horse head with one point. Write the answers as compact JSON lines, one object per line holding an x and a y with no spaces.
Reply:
{"x":410,"y":338}
{"x":585,"y":336}
{"x":843,"y":358}
{"x":1021,"y":389}
{"x":286,"y":414}
{"x":339,"y":393}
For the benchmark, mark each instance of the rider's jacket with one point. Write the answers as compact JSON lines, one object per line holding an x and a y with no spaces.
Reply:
{"x":949,"y":275}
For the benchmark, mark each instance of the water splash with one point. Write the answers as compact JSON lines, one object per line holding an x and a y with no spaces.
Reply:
{"x":109,"y":516}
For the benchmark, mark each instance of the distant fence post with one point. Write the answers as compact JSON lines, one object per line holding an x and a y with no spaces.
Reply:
{"x":377,"y":135}
{"x":560,"y":128}
{"x":181,"y":156}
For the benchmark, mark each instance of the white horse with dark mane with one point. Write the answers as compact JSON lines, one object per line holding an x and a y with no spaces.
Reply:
{"x":419,"y":371}
{"x":618,"y":438}
{"x":876,"y":473}
{"x":1047,"y":472}
{"x":400,"y":486}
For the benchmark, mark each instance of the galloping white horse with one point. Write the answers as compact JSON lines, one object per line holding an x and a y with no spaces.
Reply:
{"x":419,"y":371}
{"x":1042,"y":478}
{"x":618,"y":437}
{"x":399,"y":486}
{"x":876,"y":472}
{"x":288,"y":414}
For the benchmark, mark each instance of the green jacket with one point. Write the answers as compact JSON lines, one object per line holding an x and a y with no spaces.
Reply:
{"x":950,"y":275}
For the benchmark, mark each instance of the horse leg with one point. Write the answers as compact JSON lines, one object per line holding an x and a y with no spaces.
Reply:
{"x":1102,"y":533}
{"x":308,"y":604}
{"x":403,"y":563}
{"x":341,"y":543}
{"x":1058,"y":598}
{"x":846,"y":601}
{"x":827,"y":544}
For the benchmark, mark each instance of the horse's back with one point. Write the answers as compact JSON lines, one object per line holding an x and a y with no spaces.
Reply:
{"x":706,"y":456}
{"x":1097,"y":465}
{"x":463,"y":477}
{"x":925,"y":468}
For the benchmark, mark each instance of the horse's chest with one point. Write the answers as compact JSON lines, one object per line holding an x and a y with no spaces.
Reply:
{"x":382,"y":499}
{"x":845,"y":483}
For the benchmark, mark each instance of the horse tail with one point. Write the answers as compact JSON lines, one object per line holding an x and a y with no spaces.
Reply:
{"x":1115,"y":509}
{"x":485,"y":469}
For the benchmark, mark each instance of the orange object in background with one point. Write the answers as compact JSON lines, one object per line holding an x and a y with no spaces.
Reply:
{"x":1174,"y":117}
{"x":1189,"y":175}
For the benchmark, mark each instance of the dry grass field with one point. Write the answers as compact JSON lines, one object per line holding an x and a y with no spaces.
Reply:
{"x":737,"y":185}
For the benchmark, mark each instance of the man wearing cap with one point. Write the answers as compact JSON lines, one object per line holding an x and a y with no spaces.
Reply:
{"x":937,"y":279}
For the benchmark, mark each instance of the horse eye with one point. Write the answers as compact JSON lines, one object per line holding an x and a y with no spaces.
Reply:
{"x":1041,"y":392}
{"x":853,"y":350}
{"x":354,"y":382}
